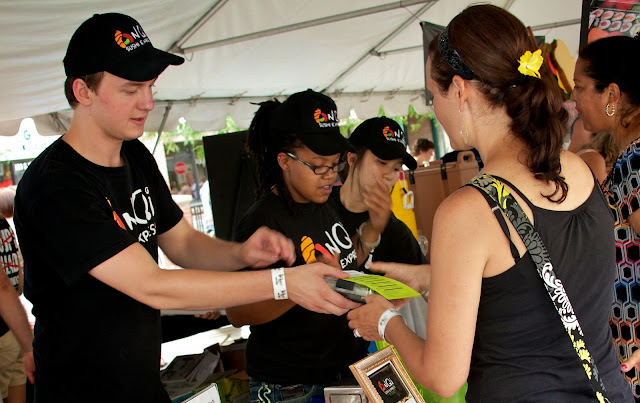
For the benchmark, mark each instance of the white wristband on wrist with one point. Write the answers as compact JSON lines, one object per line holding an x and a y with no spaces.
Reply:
{"x":384,"y":319}
{"x":279,"y":284}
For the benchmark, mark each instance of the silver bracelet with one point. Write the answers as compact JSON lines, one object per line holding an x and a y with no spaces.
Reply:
{"x":368,"y":245}
{"x":279,"y":284}
{"x":384,"y":319}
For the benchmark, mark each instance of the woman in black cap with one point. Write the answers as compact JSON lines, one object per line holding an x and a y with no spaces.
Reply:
{"x":364,"y":204}
{"x":293,"y":353}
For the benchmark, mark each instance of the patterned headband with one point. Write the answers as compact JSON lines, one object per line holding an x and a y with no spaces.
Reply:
{"x":453,"y":58}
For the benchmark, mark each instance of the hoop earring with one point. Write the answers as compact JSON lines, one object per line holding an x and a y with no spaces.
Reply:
{"x":613,"y":110}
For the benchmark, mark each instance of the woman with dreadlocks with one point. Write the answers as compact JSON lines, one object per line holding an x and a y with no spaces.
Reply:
{"x":293,"y":353}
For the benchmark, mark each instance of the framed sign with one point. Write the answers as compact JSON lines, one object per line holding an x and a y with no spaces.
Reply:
{"x":384,"y":379}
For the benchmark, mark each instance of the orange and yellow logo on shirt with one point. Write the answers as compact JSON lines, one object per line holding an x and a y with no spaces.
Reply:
{"x":309,"y":249}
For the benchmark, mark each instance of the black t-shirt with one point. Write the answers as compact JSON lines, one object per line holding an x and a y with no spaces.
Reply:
{"x":92,"y":342}
{"x":9,"y":259}
{"x":397,"y":243}
{"x":302,"y":346}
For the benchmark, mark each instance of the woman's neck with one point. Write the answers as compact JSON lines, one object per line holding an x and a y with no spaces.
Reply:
{"x":351,"y":195}
{"x":624,"y":137}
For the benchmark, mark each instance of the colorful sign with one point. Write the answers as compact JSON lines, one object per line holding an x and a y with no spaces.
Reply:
{"x":613,"y":18}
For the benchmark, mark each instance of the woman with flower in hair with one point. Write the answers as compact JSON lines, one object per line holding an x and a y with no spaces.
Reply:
{"x":490,"y":320}
{"x":607,"y":95}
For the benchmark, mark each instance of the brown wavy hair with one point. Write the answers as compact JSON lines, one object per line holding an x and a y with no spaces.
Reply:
{"x":491,"y":41}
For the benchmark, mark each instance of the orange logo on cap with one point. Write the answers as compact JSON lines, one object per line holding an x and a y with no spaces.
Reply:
{"x":128,"y":39}
{"x":319,"y":116}
{"x":388,"y":132}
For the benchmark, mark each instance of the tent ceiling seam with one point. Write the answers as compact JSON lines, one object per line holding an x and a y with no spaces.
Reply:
{"x":379,"y":45}
{"x":302,"y":25}
{"x":167,"y":109}
{"x":366,"y":93}
{"x":556,"y":24}
{"x":177,"y":45}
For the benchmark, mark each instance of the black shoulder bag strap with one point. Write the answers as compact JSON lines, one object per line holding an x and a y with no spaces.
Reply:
{"x":502,"y":196}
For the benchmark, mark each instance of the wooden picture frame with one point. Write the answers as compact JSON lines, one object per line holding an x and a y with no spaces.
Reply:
{"x":384,"y":379}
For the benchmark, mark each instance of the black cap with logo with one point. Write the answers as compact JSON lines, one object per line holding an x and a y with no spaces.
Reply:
{"x":385,"y":138}
{"x":117,"y":44}
{"x":314,"y":118}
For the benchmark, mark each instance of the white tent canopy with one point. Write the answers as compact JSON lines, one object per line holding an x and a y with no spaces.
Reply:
{"x":364,"y":53}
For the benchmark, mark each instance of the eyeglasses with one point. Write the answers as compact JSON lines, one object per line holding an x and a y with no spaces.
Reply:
{"x":322,"y":169}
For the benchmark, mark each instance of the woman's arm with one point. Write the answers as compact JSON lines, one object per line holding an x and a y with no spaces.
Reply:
{"x":459,"y":256}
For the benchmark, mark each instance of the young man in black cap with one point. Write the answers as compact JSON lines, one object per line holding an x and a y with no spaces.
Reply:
{"x":90,"y":213}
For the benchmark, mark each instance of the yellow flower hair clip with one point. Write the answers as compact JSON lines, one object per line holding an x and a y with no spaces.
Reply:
{"x":530,"y":63}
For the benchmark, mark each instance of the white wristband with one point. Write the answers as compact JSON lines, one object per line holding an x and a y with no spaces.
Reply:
{"x":279,"y":284}
{"x":384,"y":319}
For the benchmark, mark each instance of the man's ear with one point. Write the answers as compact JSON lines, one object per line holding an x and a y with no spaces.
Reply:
{"x":81,"y":91}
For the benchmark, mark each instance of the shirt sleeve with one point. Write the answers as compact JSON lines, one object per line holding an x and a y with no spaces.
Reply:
{"x":631,"y":186}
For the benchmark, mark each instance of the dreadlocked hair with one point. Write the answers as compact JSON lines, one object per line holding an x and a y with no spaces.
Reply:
{"x":264,"y":146}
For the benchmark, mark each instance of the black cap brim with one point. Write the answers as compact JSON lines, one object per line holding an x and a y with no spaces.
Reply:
{"x":387,"y":153}
{"x":323,"y":144}
{"x":144,"y":65}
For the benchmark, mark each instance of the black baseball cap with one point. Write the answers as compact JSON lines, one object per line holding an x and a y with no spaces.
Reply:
{"x":313,"y":117}
{"x":117,"y":44}
{"x":385,"y":138}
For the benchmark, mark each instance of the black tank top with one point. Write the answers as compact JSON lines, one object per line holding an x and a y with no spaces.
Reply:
{"x":521,"y":350}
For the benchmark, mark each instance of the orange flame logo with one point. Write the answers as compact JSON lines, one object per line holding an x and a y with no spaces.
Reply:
{"x":128,"y":39}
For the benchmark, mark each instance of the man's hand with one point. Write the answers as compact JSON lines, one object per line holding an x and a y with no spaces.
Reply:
{"x":307,"y":288}
{"x":333,"y":261}
{"x":211,"y":315}
{"x":266,"y":247}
